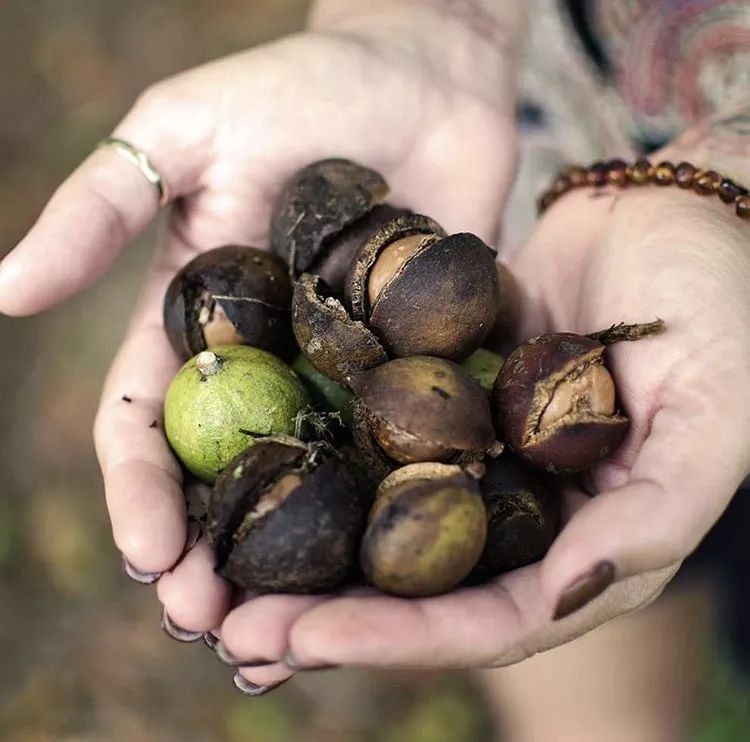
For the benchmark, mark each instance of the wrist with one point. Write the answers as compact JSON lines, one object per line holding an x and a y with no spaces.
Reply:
{"x":472,"y":46}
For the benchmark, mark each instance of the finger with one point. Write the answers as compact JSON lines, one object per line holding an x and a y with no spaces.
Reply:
{"x":462,"y":628}
{"x":260,"y":681}
{"x":257,"y":631}
{"x":143,"y":481}
{"x":496,"y":624}
{"x":101,"y":207}
{"x":683,"y":477}
{"x":194,"y":596}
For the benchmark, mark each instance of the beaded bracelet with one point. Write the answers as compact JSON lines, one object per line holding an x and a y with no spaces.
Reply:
{"x":619,"y":173}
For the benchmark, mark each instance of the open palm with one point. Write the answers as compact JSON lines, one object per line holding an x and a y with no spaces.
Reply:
{"x":591,"y":262}
{"x":224,"y":137}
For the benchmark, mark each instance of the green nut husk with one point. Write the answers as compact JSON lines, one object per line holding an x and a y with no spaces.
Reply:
{"x":484,"y":366}
{"x":326,"y":394}
{"x":222,"y":400}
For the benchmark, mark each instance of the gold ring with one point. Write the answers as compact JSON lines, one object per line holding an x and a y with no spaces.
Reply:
{"x":141,"y":161}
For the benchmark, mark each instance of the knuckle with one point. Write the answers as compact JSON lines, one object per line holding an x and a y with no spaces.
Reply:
{"x":151,"y":98}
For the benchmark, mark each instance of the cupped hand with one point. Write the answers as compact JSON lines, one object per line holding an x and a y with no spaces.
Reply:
{"x":594,"y":260}
{"x":224,"y":137}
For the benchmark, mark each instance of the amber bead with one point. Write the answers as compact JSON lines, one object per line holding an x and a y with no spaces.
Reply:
{"x":706,"y":182}
{"x":617,"y":172}
{"x":684,"y":174}
{"x":597,"y":175}
{"x":743,"y":207}
{"x":639,"y":171}
{"x":728,"y":191}
{"x":664,"y":173}
{"x":578,"y":176}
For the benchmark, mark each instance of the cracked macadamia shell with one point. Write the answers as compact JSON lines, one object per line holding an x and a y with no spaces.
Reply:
{"x":424,"y":535}
{"x":421,"y":409}
{"x":286,"y":517}
{"x":436,"y":295}
{"x":339,"y":251}
{"x":316,"y":204}
{"x":554,"y":403}
{"x":232,"y":295}
{"x":332,"y":341}
{"x":523,"y":515}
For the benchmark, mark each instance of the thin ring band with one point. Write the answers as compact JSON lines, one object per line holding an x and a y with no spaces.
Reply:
{"x":141,"y":161}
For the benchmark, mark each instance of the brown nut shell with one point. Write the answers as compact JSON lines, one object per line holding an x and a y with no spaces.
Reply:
{"x":426,"y":538}
{"x":338,"y":253}
{"x":396,"y":229}
{"x":523,"y":515}
{"x":316,"y":203}
{"x":230,"y":295}
{"x":285,"y":517}
{"x":527,"y":383}
{"x":333,"y":342}
{"x":441,"y":301}
{"x":375,"y":459}
{"x":423,"y":400}
{"x":422,"y":471}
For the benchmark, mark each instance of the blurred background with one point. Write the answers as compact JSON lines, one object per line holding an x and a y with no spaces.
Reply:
{"x":82,"y":656}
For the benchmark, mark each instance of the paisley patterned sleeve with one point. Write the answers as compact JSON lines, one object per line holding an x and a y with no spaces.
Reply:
{"x":674,"y":62}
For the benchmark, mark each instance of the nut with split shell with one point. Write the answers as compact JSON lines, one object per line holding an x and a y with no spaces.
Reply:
{"x":554,"y":403}
{"x":420,"y":409}
{"x":323,"y":213}
{"x":332,"y":341}
{"x":338,"y":253}
{"x":422,"y":292}
{"x":286,"y":517}
{"x":426,"y":530}
{"x":231,"y":295}
{"x":523,"y":514}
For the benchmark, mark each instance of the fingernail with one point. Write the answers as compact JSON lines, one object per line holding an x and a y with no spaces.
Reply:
{"x":229,"y":659}
{"x":294,"y":664}
{"x":142,"y":578}
{"x":584,"y":589}
{"x":173,"y":631}
{"x":211,"y":640}
{"x":250,"y":689}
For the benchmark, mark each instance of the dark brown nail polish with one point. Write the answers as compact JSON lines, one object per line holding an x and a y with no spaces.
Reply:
{"x":142,"y":578}
{"x":229,"y":659}
{"x":173,"y":631}
{"x":583,"y":590}
{"x":294,"y":664}
{"x":251,"y":690}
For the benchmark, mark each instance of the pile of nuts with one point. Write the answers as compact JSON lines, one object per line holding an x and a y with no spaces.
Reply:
{"x":344,"y":396}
